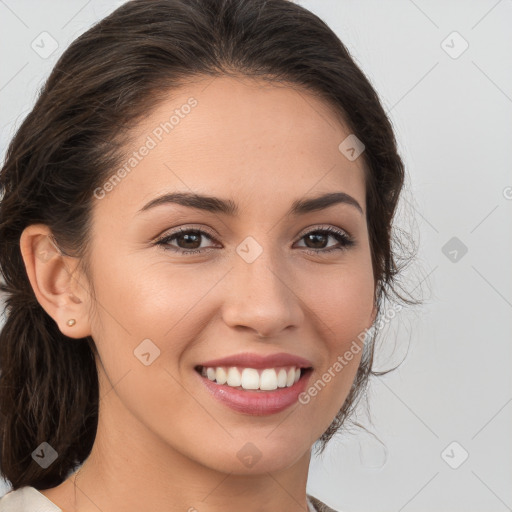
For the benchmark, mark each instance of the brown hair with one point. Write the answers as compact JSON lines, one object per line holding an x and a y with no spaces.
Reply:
{"x":108,"y":79}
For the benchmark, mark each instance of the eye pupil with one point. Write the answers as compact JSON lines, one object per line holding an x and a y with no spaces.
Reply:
{"x":190,"y":238}
{"x":318,"y":239}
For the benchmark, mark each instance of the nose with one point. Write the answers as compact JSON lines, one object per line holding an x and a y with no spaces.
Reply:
{"x":260,"y":297}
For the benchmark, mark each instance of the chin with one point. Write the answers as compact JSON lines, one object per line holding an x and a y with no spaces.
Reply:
{"x":263,"y":453}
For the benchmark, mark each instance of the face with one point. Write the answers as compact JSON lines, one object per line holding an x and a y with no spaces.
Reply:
{"x":244,"y":281}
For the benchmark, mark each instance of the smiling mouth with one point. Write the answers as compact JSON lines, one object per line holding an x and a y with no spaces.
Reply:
{"x":254,"y":379}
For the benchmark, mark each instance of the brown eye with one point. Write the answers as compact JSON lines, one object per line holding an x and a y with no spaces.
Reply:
{"x":317,"y":240}
{"x":186,"y":241}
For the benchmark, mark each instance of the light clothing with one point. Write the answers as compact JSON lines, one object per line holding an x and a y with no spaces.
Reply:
{"x":29,"y":499}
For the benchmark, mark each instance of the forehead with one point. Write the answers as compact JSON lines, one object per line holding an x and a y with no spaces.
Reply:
{"x":239,"y":138}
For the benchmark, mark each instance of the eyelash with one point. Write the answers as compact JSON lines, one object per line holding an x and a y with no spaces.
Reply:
{"x":345,"y":240}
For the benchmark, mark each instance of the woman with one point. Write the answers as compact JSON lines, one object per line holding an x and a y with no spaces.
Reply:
{"x":196,"y":242}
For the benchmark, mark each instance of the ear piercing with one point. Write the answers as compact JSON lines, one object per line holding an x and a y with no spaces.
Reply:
{"x":71,"y":322}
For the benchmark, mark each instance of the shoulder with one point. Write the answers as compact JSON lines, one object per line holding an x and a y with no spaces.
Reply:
{"x":26,"y":499}
{"x":317,"y":504}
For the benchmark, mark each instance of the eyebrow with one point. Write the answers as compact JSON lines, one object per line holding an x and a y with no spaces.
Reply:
{"x":228,"y":207}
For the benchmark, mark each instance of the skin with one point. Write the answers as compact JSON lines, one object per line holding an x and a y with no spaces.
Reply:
{"x":163,"y":443}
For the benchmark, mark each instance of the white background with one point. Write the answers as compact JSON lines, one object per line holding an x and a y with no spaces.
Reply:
{"x":453,"y":120}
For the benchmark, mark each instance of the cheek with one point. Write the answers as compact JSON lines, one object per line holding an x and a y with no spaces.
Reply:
{"x":143,"y":308}
{"x":158,"y":301}
{"x":343,"y":310}
{"x":148,"y":297}
{"x":342,"y":299}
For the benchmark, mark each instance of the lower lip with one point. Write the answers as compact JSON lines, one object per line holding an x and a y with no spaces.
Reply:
{"x":256,"y":403}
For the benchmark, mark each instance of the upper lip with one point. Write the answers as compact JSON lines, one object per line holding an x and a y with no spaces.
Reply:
{"x":248,"y":360}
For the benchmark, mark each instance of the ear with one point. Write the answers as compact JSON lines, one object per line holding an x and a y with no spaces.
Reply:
{"x":58,"y":286}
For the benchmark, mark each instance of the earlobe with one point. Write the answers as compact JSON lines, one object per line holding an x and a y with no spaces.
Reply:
{"x":51,"y":276}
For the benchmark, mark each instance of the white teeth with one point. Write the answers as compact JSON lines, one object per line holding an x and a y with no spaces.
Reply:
{"x":281,"y":378}
{"x":268,"y":379}
{"x":252,"y":379}
{"x":220,"y":375}
{"x":234,"y":377}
